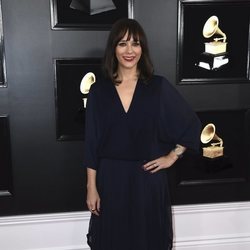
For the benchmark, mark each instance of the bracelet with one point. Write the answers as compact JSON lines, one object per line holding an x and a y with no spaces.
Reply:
{"x":179,"y":150}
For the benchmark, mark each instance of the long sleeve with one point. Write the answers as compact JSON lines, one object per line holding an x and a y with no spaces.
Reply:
{"x":91,"y":131}
{"x":179,"y":124}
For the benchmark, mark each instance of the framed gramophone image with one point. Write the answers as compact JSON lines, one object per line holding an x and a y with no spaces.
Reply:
{"x":88,"y":14}
{"x":213,"y":42}
{"x":73,"y":79}
{"x":219,"y":171}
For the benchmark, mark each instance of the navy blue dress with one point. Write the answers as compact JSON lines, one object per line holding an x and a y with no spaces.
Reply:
{"x":135,"y":204}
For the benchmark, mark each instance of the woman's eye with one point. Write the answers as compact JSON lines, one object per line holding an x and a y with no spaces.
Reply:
{"x":136,"y":44}
{"x":122,"y":44}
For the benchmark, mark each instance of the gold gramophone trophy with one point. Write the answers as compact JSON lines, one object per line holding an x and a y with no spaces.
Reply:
{"x":215,"y":149}
{"x":215,"y":54}
{"x":85,"y":85}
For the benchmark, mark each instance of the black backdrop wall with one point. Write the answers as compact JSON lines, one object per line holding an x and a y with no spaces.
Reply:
{"x":46,"y":174}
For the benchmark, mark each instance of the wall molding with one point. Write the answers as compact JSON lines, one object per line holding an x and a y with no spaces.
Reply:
{"x":217,"y":226}
{"x":212,"y":207}
{"x":225,"y":240}
{"x":44,"y":218}
{"x":57,"y":231}
{"x":212,"y":226}
{"x":64,"y":248}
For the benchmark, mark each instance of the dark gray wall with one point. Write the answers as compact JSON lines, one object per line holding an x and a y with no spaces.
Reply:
{"x":47,"y":174}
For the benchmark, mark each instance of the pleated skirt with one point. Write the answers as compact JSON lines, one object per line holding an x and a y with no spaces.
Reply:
{"x":135,"y":208}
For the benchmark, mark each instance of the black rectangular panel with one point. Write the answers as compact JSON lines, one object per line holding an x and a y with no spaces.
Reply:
{"x":5,"y":159}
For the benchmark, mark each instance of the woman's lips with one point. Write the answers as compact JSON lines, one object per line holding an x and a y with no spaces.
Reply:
{"x":129,"y":58}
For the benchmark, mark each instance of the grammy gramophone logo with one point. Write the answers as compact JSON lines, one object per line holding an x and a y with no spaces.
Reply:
{"x":215,"y":54}
{"x":86,"y":82}
{"x":215,"y":143}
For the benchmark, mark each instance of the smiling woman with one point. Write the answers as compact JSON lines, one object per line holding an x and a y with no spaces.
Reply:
{"x":135,"y":121}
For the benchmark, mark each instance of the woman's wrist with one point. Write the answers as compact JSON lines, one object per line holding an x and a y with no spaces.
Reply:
{"x":173,"y":156}
{"x":91,"y":178}
{"x":178,"y":151}
{"x":91,"y":186}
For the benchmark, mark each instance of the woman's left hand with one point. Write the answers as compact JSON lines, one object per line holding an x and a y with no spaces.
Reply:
{"x":165,"y":161}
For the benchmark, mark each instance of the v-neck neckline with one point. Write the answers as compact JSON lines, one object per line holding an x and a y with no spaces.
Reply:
{"x":132,"y":99}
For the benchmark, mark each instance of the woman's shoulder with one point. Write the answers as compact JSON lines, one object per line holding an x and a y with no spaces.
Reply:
{"x":160,"y":81}
{"x":164,"y":85}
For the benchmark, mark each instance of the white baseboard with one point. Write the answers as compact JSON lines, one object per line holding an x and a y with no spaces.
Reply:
{"x":224,"y":226}
{"x":60,"y":231}
{"x":64,"y":248}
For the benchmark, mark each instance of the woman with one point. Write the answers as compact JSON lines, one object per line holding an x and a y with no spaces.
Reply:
{"x":137,"y":126}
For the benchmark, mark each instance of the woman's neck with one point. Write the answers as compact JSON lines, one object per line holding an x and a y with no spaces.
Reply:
{"x":127,"y":74}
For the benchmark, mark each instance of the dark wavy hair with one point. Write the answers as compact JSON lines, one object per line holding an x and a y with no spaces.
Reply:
{"x":118,"y":31}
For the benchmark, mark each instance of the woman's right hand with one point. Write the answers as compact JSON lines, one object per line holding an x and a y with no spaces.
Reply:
{"x":93,"y":200}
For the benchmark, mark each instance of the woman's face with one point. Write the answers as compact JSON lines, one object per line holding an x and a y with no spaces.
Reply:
{"x":128,"y":53}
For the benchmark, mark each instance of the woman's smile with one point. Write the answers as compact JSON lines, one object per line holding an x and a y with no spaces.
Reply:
{"x":129,"y":58}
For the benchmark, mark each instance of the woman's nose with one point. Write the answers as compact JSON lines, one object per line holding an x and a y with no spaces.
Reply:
{"x":129,"y":48}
